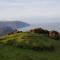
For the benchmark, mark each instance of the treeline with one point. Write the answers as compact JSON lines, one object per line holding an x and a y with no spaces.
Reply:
{"x":52,"y":34}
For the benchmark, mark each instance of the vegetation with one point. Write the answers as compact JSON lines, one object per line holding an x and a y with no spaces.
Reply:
{"x":29,"y":40}
{"x":52,"y":34}
{"x":13,"y":53}
{"x":29,"y":46}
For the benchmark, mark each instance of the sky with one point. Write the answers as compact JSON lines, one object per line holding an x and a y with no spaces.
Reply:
{"x":31,"y":11}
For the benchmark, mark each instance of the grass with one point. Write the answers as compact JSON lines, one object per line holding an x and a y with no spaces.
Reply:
{"x":14,"y":53}
{"x":8,"y":52}
{"x":28,"y":37}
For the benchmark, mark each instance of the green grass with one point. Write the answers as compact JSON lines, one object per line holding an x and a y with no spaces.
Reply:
{"x":14,"y":53}
{"x":8,"y":52}
{"x":29,"y":38}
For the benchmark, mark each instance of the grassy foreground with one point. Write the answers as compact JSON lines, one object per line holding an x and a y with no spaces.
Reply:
{"x":8,"y":52}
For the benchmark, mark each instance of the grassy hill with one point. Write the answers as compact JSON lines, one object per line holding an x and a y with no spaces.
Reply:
{"x":27,"y":39}
{"x":29,"y":46}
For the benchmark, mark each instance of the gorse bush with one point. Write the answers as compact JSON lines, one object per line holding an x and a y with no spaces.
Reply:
{"x":40,"y":31}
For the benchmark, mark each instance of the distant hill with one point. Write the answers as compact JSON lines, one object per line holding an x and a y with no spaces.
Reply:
{"x":5,"y":30}
{"x":13,"y":24}
{"x":9,"y":26}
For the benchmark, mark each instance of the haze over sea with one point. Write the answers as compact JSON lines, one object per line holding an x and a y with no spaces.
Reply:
{"x":48,"y":26}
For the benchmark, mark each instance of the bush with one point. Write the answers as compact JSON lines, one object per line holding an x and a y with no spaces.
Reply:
{"x":54,"y":35}
{"x":40,"y":31}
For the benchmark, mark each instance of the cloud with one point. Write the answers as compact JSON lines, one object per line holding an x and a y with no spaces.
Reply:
{"x":24,"y":9}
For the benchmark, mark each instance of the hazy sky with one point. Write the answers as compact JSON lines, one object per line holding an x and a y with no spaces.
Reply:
{"x":30,"y":10}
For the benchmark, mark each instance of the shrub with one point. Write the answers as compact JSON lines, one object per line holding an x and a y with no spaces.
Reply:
{"x":54,"y":35}
{"x":40,"y":31}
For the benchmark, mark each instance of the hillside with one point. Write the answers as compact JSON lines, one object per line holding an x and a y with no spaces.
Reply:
{"x":28,"y":46}
{"x":28,"y":39}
